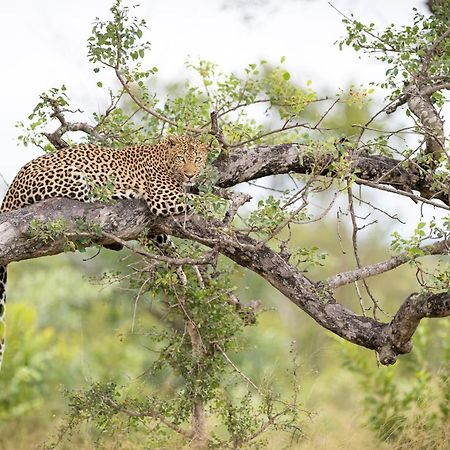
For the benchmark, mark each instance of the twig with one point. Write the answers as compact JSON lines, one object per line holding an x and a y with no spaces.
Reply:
{"x":343,"y":278}
{"x":355,"y":242}
{"x":152,"y":414}
{"x":207,"y":259}
{"x":392,"y":190}
{"x":271,"y":421}
{"x":242,"y":374}
{"x":148,"y":110}
{"x":355,"y":230}
{"x":4,"y":180}
{"x":285,"y":127}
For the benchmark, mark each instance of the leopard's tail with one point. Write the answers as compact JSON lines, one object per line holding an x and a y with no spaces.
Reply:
{"x":2,"y":312}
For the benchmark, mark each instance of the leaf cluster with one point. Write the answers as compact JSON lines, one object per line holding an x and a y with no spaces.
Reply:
{"x":406,"y":50}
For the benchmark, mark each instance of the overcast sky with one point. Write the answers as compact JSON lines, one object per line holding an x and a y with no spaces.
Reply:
{"x":43,"y":44}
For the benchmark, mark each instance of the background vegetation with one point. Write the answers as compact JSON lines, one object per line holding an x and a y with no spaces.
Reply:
{"x":67,"y":332}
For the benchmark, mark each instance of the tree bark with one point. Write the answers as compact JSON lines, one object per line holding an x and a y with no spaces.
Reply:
{"x":128,"y":218}
{"x":247,"y":164}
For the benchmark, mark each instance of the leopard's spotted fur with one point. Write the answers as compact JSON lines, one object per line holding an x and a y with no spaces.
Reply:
{"x":155,"y":173}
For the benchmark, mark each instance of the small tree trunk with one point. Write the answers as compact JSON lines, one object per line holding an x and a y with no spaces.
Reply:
{"x":200,"y":439}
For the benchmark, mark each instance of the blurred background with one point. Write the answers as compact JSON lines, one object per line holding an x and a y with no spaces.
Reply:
{"x":69,"y":327}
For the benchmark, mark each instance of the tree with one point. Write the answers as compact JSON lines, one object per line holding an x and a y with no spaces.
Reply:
{"x":294,"y":138}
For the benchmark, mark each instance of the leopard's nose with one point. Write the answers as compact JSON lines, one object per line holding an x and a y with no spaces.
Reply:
{"x":189,"y":172}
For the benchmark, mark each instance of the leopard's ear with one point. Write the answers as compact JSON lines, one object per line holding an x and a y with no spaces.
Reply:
{"x":172,"y":140}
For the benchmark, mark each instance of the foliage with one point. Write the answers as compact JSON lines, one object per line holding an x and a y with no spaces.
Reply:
{"x":45,"y":231}
{"x":57,"y":228}
{"x":197,"y":371}
{"x":41,"y":117}
{"x":36,"y":362}
{"x":403,"y":48}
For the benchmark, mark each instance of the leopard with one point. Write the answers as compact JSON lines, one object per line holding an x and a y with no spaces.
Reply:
{"x":157,"y":173}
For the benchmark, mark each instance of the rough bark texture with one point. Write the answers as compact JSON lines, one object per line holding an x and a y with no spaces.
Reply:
{"x":246,"y":164}
{"x":124,"y":219}
{"x":128,"y":218}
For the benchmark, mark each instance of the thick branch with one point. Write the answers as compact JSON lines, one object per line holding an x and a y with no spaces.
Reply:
{"x":417,"y":94}
{"x":407,"y":318}
{"x":249,"y":163}
{"x":422,"y":107}
{"x":128,"y":218}
{"x":124,"y":219}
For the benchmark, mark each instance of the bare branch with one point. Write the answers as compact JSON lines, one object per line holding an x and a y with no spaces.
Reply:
{"x":407,"y":319}
{"x":55,"y":138}
{"x":412,"y":196}
{"x":343,"y":278}
{"x":420,"y":104}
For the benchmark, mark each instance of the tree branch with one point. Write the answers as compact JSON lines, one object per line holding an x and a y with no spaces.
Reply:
{"x":343,"y":278}
{"x":244,"y":164}
{"x":417,"y":94}
{"x":149,"y":413}
{"x":407,"y":319}
{"x":126,"y":219}
{"x":55,"y":138}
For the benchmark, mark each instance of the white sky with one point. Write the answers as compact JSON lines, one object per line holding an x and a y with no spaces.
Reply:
{"x":43,"y":44}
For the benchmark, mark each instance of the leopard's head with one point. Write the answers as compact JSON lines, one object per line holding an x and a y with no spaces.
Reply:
{"x":186,"y":157}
